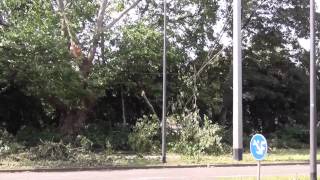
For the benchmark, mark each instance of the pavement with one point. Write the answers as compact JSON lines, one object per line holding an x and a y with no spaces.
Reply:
{"x":195,"y":173}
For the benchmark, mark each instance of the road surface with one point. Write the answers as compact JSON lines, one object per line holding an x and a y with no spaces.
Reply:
{"x":162,"y":174}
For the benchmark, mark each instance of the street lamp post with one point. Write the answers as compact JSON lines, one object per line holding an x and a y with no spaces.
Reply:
{"x":164,"y":84}
{"x":237,"y":82}
{"x":313,"y":97}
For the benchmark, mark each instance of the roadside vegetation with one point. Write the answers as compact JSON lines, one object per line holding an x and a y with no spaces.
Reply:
{"x":81,"y":82}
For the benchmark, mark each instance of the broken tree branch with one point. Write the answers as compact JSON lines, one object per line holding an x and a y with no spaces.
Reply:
{"x":143,"y":94}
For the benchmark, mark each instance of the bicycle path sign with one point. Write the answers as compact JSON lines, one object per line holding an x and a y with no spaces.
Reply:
{"x":258,"y":147}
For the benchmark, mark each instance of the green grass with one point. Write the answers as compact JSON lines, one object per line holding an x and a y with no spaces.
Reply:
{"x":23,"y":160}
{"x":274,"y":156}
{"x":269,"y":178}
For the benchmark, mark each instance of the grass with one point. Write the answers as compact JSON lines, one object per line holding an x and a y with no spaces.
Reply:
{"x":23,"y":160}
{"x":274,"y":156}
{"x":269,"y":178}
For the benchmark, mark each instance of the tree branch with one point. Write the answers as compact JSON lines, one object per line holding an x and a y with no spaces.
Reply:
{"x":65,"y":28}
{"x":99,"y":25}
{"x":98,"y":30}
{"x":143,"y":94}
{"x":113,"y":22}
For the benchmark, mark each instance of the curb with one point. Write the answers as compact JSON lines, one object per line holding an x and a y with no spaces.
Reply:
{"x":113,"y":168}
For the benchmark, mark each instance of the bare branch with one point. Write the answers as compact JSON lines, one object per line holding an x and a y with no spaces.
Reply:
{"x":111,"y":24}
{"x":65,"y":28}
{"x":102,"y":10}
{"x":143,"y":94}
{"x":99,"y":25}
{"x":98,"y":30}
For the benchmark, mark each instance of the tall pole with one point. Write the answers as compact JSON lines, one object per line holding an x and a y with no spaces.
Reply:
{"x":164,"y":85}
{"x":237,"y":82}
{"x":313,"y":95}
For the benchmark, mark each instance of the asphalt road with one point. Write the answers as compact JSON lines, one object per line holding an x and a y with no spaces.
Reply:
{"x":162,"y":174}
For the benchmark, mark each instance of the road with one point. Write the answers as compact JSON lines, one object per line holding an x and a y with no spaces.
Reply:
{"x":162,"y":174}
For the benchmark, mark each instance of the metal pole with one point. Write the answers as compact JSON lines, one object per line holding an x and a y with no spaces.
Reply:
{"x":259,"y":170}
{"x":237,"y":82}
{"x":313,"y":95}
{"x":164,"y":85}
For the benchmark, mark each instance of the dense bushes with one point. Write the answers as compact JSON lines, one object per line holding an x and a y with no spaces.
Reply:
{"x":194,"y":135}
{"x":290,"y":137}
{"x":146,"y":135}
{"x":188,"y":134}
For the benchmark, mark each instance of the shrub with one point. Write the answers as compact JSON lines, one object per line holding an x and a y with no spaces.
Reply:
{"x":118,"y":138}
{"x":30,"y":136}
{"x":85,"y":143}
{"x":104,"y":137}
{"x":96,"y":133}
{"x":290,"y":137}
{"x":146,"y":135}
{"x":8,"y":144}
{"x":193,"y":137}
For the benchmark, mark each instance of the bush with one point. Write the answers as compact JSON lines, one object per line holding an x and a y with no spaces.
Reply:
{"x":104,"y":137}
{"x":96,"y":133}
{"x":191,"y":137}
{"x":30,"y":136}
{"x":84,"y":143}
{"x":290,"y":137}
{"x":146,"y":135}
{"x":118,"y":138}
{"x":8,"y":144}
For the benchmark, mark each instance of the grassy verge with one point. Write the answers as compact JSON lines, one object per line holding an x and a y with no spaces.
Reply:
{"x":275,"y":156}
{"x":23,"y":160}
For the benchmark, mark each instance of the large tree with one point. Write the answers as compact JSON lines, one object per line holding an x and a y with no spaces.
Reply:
{"x":51,"y":47}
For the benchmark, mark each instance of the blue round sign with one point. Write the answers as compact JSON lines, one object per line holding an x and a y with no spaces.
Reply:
{"x":258,"y":147}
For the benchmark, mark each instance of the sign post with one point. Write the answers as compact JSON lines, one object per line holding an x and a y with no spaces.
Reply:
{"x":259,"y":170}
{"x":258,"y":149}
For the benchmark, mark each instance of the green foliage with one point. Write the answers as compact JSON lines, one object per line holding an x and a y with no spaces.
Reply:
{"x":30,"y":136}
{"x":84,"y":142}
{"x":40,"y":83}
{"x":118,"y":138}
{"x":95,"y":134}
{"x":104,"y":137}
{"x":194,"y":135}
{"x":145,"y":135}
{"x":290,"y":137}
{"x":8,"y":144}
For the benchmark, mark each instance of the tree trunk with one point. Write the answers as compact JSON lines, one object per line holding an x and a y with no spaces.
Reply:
{"x":123,"y":108}
{"x":73,"y":121}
